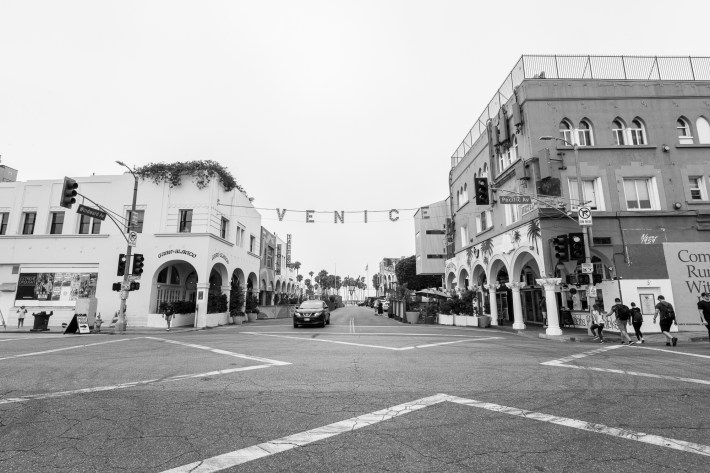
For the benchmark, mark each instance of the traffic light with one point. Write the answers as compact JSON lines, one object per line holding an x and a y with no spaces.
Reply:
{"x":583,"y":279}
{"x":68,"y":193}
{"x":121,"y":265}
{"x":481,"y":184}
{"x":596,"y":278}
{"x":576,"y":246}
{"x":116,"y":287}
{"x":561,"y":243}
{"x":137,"y":264}
{"x":134,"y":286}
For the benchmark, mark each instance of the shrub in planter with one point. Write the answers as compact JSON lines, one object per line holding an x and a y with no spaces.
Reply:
{"x":236,"y":301}
{"x":183,"y":307}
{"x":216,"y":303}
{"x":252,"y":305}
{"x":445,"y":308}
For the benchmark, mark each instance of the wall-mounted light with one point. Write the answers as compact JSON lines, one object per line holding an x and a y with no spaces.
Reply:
{"x":665,"y":148}
{"x":677,"y":206}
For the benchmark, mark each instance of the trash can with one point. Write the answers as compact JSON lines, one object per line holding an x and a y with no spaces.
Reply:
{"x":41,"y":321}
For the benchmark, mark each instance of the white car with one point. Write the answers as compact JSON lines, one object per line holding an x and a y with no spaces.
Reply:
{"x":385,"y":305}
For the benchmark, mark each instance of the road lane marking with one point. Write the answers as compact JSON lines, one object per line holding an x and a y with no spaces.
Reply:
{"x":180,"y":377}
{"x":267,"y":363}
{"x":74,"y":347}
{"x":458,"y":341}
{"x":222,"y":352}
{"x":440,"y":335}
{"x":245,"y":455}
{"x":262,"y":450}
{"x":338,"y":342}
{"x":563,"y":363}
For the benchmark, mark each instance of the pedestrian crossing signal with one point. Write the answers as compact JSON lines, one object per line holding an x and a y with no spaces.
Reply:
{"x":116,"y":287}
{"x":134,"y":286}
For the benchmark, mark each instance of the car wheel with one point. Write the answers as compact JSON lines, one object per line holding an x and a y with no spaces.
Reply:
{"x":328,"y":320}
{"x":295,"y":325}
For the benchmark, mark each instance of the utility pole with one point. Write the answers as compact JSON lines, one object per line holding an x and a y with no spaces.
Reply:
{"x":121,"y":324}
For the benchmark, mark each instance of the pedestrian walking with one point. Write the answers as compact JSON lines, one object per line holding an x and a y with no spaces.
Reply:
{"x":21,"y":312}
{"x":543,"y":309}
{"x":168,"y":316}
{"x":637,"y":321}
{"x":623,"y":315}
{"x":704,"y":310}
{"x":380,"y":310}
{"x":665,"y":311}
{"x":597,"y":323}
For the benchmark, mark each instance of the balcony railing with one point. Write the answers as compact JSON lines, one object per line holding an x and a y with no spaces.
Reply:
{"x":646,"y":68}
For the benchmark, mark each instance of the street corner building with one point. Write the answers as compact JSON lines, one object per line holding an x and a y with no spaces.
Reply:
{"x":633,"y":134}
{"x":197,"y":242}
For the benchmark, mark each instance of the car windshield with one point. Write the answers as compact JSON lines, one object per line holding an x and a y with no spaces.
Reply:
{"x":312,"y":305}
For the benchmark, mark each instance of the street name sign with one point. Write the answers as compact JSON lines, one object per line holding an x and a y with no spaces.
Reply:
{"x":592,"y":291}
{"x":584,"y":216}
{"x":587,"y":268}
{"x":514,"y":199}
{"x":91,"y":212}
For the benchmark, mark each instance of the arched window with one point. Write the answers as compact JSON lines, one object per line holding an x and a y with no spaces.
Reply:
{"x":465,"y":192}
{"x":618,"y":129}
{"x":584,"y":134}
{"x":566,"y":131}
{"x":703,"y":128}
{"x":685,"y":137}
{"x":514,"y":149}
{"x":485,"y":170}
{"x":637,"y":131}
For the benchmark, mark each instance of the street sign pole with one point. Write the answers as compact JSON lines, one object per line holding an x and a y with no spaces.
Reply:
{"x":585,"y":232}
{"x":121,"y":324}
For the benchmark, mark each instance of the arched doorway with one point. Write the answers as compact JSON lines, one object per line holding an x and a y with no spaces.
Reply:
{"x":504,"y":296}
{"x":527,"y":271}
{"x":174,"y":281}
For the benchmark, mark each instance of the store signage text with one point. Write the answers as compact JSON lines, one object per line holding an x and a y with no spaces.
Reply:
{"x":177,"y":252}
{"x":220,"y":255}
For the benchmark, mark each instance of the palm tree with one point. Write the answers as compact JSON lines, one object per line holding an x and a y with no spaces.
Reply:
{"x":534,"y":233}
{"x":469,"y":255}
{"x":517,"y":237}
{"x":296,"y":266}
{"x":487,"y":247}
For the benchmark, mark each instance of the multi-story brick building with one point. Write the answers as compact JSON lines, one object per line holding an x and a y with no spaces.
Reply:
{"x":641,"y":128}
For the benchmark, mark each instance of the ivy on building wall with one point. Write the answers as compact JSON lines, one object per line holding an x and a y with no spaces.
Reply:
{"x":202,"y":172}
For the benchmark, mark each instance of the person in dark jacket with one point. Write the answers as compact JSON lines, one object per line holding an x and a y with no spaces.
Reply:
{"x":637,"y":321}
{"x":379,"y":308}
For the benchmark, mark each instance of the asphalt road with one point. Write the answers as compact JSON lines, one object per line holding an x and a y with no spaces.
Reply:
{"x":365,"y":393}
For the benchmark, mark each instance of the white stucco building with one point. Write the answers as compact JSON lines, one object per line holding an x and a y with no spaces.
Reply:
{"x":197,"y":243}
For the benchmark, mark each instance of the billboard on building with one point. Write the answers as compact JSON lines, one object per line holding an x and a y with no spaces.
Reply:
{"x":689,"y":271}
{"x":55,"y":288}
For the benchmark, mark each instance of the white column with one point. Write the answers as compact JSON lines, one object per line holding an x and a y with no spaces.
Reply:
{"x":203,"y":290}
{"x":492,"y":301}
{"x":553,"y":318}
{"x":519,"y":323}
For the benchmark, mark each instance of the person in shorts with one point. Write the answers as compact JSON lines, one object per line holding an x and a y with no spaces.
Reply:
{"x":21,"y":312}
{"x":597,"y":324}
{"x":621,"y":323}
{"x":665,"y":311}
{"x":704,"y":310}
{"x":168,"y":316}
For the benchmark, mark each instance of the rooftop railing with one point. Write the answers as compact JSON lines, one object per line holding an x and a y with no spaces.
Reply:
{"x":647,"y":68}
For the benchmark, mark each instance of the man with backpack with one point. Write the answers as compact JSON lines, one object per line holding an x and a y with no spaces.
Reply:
{"x":667,"y":314}
{"x":623,"y":314}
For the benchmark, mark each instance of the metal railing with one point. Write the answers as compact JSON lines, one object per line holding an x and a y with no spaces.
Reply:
{"x":646,"y":68}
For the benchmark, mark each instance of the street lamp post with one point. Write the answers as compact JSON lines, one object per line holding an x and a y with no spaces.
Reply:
{"x":580,"y":199}
{"x":121,"y":324}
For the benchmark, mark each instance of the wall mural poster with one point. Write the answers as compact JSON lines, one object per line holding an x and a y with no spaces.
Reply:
{"x":55,"y":287}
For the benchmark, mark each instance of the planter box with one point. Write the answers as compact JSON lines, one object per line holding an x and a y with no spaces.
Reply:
{"x":251,"y":316}
{"x":460,"y":320}
{"x":412,"y":317}
{"x":446,"y":319}
{"x":484,"y":321}
{"x":471,"y":321}
{"x":238,"y":319}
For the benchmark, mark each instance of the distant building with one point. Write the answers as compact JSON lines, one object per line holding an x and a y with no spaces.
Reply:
{"x":387,"y":278}
{"x":430,"y":237}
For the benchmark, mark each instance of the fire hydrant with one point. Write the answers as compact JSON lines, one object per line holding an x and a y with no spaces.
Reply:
{"x":97,"y":323}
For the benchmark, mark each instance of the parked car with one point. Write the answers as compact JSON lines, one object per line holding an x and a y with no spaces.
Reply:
{"x":385,"y":305}
{"x":311,"y":313}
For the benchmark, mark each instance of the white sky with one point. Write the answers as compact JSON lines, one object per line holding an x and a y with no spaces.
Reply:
{"x":325,"y":105}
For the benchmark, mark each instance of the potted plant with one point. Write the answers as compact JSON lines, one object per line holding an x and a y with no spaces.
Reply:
{"x":236,"y":302}
{"x":412,"y":312}
{"x":429,"y":313}
{"x":252,"y":309}
{"x":445,"y":317}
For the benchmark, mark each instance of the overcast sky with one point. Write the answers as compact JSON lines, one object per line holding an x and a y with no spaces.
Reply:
{"x":324,"y":105}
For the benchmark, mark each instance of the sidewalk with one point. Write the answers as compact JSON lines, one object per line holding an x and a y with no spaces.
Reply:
{"x":581,"y":335}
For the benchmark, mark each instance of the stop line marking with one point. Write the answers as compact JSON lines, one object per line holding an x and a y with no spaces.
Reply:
{"x":563,"y":363}
{"x":262,"y":450}
{"x":366,"y":345}
{"x":266,"y":363}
